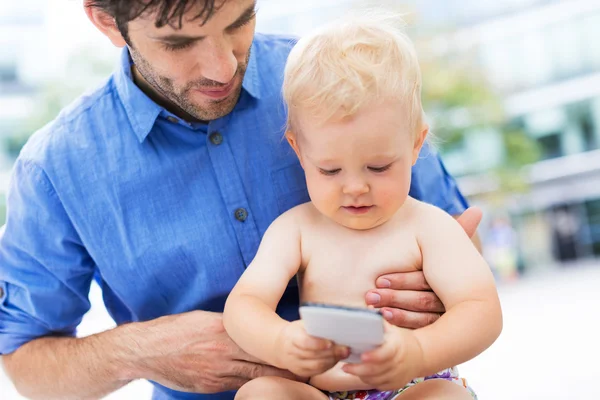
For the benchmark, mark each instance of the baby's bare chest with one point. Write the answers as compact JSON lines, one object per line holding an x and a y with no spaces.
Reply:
{"x":342,"y":272}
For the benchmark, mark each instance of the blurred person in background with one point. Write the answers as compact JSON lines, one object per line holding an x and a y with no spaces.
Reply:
{"x":501,"y":248}
{"x":159,"y":185}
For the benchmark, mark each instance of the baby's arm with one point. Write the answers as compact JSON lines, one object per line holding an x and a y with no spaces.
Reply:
{"x":462,"y":280}
{"x":249,"y":316}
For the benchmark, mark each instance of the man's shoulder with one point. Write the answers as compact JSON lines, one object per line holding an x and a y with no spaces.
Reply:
{"x":76,"y":127}
{"x":273,"y":47}
{"x":275,"y":41}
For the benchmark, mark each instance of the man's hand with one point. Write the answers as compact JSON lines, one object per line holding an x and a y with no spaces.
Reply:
{"x":192,"y":352}
{"x":470,"y":220}
{"x":405,"y":299}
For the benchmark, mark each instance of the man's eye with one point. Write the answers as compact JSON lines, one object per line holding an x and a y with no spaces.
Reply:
{"x":380,"y":169}
{"x":178,"y":46}
{"x":329,"y":172}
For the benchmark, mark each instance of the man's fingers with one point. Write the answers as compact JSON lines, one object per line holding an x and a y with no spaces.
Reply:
{"x":409,"y":319}
{"x":470,"y":219}
{"x":414,"y":280}
{"x":406,"y":300}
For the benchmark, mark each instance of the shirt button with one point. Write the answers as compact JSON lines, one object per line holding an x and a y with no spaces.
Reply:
{"x":241,"y":214}
{"x":216,"y":138}
{"x":172,"y":119}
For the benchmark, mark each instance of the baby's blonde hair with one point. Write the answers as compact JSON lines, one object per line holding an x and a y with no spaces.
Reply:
{"x":353,"y":63}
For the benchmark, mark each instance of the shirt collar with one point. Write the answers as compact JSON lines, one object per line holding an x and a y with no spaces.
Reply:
{"x":251,"y":82}
{"x":143,"y":111}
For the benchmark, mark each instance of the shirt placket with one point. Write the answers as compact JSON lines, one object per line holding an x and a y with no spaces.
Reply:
{"x":232,"y":190}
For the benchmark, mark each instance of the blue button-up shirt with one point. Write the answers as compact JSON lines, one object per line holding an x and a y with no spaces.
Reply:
{"x":118,"y":189}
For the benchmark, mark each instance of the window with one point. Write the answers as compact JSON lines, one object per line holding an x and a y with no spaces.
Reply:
{"x":551,"y":145}
{"x":592,"y":209}
{"x":8,"y":73}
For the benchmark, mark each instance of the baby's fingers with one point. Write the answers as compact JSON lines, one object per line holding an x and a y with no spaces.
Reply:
{"x":311,"y":343}
{"x":335,"y":353}
{"x":381,"y":354}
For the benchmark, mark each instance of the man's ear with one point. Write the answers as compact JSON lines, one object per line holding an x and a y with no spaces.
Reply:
{"x":105,"y":23}
{"x":419,"y":140}
{"x":293,"y":141}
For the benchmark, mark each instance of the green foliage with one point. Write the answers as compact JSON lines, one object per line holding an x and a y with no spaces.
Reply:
{"x":461,"y":101}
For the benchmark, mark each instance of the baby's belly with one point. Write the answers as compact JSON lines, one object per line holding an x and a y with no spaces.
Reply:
{"x":344,"y":291}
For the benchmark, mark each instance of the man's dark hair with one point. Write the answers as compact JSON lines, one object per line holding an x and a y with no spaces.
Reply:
{"x":168,"y":12}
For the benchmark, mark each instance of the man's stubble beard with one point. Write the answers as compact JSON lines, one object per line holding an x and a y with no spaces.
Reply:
{"x":181,"y":100}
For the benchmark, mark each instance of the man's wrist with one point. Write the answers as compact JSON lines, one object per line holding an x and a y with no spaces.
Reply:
{"x":125,"y":345}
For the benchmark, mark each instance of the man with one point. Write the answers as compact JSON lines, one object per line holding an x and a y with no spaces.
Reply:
{"x":159,"y":185}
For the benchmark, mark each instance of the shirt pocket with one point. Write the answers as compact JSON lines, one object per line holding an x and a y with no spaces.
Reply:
{"x":289,"y":183}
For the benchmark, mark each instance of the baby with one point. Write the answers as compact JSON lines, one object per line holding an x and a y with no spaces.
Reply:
{"x":356,"y":123}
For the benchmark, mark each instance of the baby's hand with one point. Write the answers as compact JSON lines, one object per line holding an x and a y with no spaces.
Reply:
{"x":306,"y":355}
{"x":393,"y":364}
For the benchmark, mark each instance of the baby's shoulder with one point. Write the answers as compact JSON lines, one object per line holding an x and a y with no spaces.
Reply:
{"x":297,"y":217}
{"x":427,"y":216}
{"x":432,"y":224}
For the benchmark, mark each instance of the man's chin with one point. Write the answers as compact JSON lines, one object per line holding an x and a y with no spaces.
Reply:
{"x":210,"y":109}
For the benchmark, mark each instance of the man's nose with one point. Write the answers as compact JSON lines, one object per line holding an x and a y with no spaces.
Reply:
{"x":219,"y":64}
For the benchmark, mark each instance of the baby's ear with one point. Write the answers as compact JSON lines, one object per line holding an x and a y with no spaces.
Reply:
{"x":293,"y":141}
{"x":419,"y":140}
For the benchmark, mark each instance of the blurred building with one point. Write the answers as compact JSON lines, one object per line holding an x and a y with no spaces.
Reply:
{"x":21,"y":26}
{"x":543,"y":60}
{"x":49,"y":53}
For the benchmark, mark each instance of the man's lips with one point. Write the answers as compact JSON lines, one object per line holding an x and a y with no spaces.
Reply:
{"x":218,"y":92}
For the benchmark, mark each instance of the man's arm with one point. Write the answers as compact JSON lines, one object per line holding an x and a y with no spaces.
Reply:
{"x":188,"y":352}
{"x":69,"y":368}
{"x":45,"y":275}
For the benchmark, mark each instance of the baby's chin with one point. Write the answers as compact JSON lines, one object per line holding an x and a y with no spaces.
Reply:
{"x":361,"y":224}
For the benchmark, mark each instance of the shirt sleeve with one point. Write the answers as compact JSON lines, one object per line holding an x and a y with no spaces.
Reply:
{"x":45,"y":271}
{"x":432,"y":184}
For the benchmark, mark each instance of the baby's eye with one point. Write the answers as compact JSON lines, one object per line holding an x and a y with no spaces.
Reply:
{"x":329,"y":172}
{"x":380,"y":169}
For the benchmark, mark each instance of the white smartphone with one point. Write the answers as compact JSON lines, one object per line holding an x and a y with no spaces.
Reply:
{"x":361,"y":329}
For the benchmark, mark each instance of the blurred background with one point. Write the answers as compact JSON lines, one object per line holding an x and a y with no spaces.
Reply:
{"x":512,"y":91}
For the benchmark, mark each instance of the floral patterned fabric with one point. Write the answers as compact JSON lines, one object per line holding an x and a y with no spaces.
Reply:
{"x":450,"y":374}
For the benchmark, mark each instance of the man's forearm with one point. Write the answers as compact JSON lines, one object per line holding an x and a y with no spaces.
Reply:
{"x":72,"y":368}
